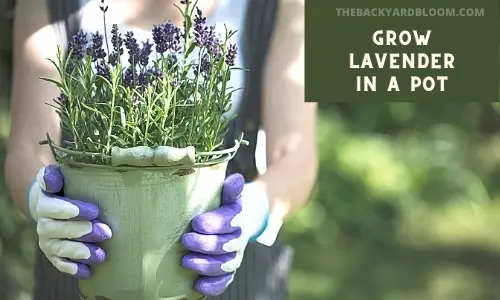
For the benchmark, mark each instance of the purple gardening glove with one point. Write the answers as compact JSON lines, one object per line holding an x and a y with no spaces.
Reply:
{"x":219,"y":238}
{"x":67,"y":229}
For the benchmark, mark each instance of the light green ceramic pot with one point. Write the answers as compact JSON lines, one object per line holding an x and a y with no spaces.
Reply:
{"x":148,"y":209}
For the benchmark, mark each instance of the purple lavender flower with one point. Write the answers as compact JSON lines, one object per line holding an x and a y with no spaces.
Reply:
{"x":205,"y":64}
{"x":204,"y":67}
{"x":145,"y":53}
{"x":212,"y":43}
{"x":97,"y":49}
{"x":62,"y":99}
{"x":200,"y":28}
{"x":117,"y":41}
{"x":142,"y":79}
{"x":70,"y":67}
{"x":157,"y":73}
{"x":113,"y":59}
{"x":176,"y":82}
{"x":132,"y":47}
{"x":204,"y":35}
{"x":103,"y":70}
{"x":159,"y":39}
{"x":231,"y":54}
{"x":77,"y":45}
{"x":166,"y":37}
{"x":129,"y":77}
{"x":173,"y":37}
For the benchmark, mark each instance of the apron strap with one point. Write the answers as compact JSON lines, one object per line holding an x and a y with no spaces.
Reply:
{"x":258,"y":31}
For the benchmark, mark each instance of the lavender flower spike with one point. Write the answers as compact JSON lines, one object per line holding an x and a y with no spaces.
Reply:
{"x":97,"y":50}
{"x":204,"y":35}
{"x":129,"y":77}
{"x":159,"y":39}
{"x":231,"y":54}
{"x":116,"y":40}
{"x":205,"y":64}
{"x":145,"y":52}
{"x":103,"y":70}
{"x":117,"y":44}
{"x":77,"y":45}
{"x":166,"y":37}
{"x":132,"y":47}
{"x":200,"y":28}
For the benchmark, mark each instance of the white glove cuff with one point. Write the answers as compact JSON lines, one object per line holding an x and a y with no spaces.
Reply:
{"x":262,"y":227}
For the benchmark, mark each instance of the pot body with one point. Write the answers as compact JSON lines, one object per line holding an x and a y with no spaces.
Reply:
{"x":148,"y":211}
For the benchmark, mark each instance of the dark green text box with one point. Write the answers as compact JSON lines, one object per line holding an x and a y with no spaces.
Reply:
{"x":464,"y":32}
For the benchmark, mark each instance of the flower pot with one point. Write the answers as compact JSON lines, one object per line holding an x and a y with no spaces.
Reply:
{"x":148,"y":208}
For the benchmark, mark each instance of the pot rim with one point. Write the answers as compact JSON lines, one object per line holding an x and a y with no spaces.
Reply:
{"x":65,"y":156}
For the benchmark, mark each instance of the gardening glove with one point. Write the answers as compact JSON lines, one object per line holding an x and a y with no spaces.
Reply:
{"x":67,"y":229}
{"x":219,"y":238}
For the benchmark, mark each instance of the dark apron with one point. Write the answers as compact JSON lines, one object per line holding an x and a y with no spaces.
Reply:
{"x":264,"y":271}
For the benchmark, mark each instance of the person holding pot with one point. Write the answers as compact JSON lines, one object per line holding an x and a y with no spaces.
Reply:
{"x":234,"y":248}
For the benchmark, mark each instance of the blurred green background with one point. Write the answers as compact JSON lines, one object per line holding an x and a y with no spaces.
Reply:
{"x":407,"y":205}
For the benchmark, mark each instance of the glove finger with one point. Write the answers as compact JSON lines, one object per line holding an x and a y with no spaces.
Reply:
{"x":213,"y":285}
{"x":225,"y":219}
{"x":212,"y":265}
{"x":63,"y":208}
{"x":214,"y":244}
{"x":232,"y":188}
{"x":85,"y":253}
{"x":78,"y":270}
{"x":50,"y":179}
{"x":83,"y":231}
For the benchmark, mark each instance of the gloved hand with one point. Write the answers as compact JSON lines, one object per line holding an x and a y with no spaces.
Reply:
{"x":219,"y":238}
{"x":67,"y":229}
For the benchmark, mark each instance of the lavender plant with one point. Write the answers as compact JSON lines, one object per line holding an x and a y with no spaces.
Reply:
{"x":178,"y":98}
